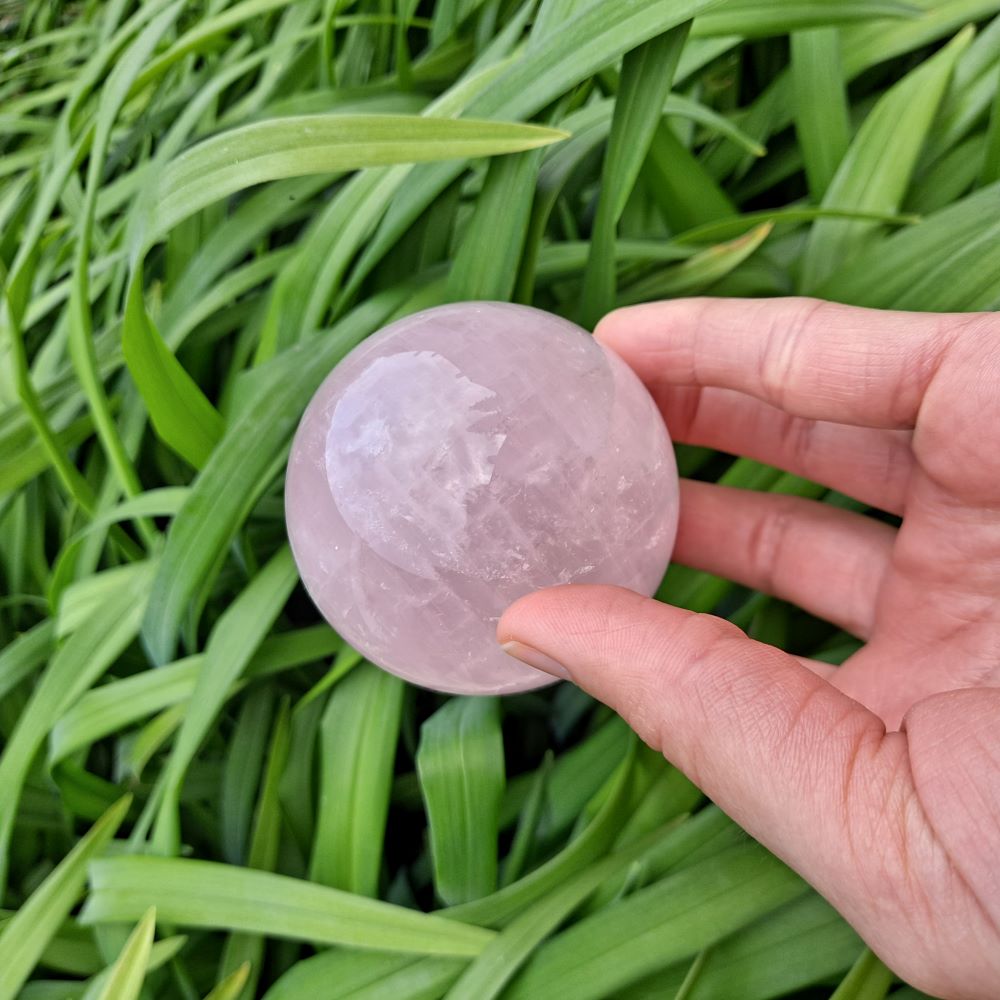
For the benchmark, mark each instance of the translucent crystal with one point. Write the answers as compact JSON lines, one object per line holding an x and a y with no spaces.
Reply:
{"x":459,"y":459}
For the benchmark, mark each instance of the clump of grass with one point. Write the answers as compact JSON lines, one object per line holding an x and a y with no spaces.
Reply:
{"x":203,"y":206}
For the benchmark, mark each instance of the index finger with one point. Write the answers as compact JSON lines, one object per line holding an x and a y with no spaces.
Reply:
{"x":813,"y":359}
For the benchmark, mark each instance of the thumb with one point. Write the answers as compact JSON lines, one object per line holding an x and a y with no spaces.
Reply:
{"x":790,"y":758}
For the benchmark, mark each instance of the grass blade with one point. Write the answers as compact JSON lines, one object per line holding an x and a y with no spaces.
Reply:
{"x":25,"y":655}
{"x":947,"y":263}
{"x":868,"y":979}
{"x":246,"y":951}
{"x":361,"y":976}
{"x":232,"y":986}
{"x":686,"y":193}
{"x":81,"y":333}
{"x":500,"y":960}
{"x":594,"y":36}
{"x":802,"y":944}
{"x":304,"y":291}
{"x":647,"y":74}
{"x":233,"y":641}
{"x":698,"y":272}
{"x":989,"y":173}
{"x":124,"y":979}
{"x":863,"y":46}
{"x":206,"y":894}
{"x":500,"y":222}
{"x":242,"y":772}
{"x":726,"y":229}
{"x":461,"y":766}
{"x":869,"y":180}
{"x":527,"y":825}
{"x":658,"y":925}
{"x":822,"y":122}
{"x":80,"y":660}
{"x":502,"y":906}
{"x":683,"y":107}
{"x":118,"y":705}
{"x":183,"y":418}
{"x":576,"y":778}
{"x":386,"y":976}
{"x":361,"y":725}
{"x":25,"y":936}
{"x":753,"y":19}
{"x":317,"y":144}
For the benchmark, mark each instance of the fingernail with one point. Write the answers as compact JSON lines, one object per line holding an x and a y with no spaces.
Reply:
{"x":533,"y":658}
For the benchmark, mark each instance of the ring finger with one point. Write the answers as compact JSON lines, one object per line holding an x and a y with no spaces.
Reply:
{"x":828,"y":561}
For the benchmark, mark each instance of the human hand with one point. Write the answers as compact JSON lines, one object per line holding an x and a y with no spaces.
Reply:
{"x":878,"y":781}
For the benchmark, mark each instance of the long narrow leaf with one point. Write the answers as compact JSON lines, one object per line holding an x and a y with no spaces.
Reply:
{"x":234,"y":640}
{"x":24,"y":938}
{"x":657,"y":925}
{"x":77,"y":664}
{"x":822,"y":121}
{"x":182,"y":416}
{"x":488,"y":974}
{"x":949,"y":262}
{"x":647,"y":73}
{"x":312,"y":144}
{"x":869,"y":979}
{"x":501,"y":223}
{"x":244,"y":952}
{"x":461,"y":767}
{"x":698,"y":272}
{"x":867,"y":178}
{"x":360,"y":726}
{"x":754,"y":19}
{"x":124,"y":979}
{"x":205,"y":894}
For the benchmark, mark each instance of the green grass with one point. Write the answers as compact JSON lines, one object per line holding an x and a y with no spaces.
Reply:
{"x":203,"y":207}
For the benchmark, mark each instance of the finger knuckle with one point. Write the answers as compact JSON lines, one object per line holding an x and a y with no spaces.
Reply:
{"x":621,"y":614}
{"x":781,"y":350}
{"x":767,"y":539}
{"x":700,"y":644}
{"x":956,"y":434}
{"x":689,"y":674}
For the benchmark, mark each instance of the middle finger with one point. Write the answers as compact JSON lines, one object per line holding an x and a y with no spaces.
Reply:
{"x":870,"y":464}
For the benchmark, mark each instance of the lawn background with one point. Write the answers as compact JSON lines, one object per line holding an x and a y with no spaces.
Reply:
{"x":203,"y":206}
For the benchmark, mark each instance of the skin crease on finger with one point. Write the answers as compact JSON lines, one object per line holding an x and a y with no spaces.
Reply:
{"x":881,"y":787}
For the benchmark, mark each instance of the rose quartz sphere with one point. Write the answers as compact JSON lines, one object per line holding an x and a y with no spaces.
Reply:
{"x":464,"y":457}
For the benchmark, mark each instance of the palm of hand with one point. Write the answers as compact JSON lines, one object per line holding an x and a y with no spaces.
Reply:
{"x":935,"y":627}
{"x":891,"y":810}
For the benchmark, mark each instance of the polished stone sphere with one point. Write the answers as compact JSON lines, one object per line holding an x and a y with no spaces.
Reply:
{"x":459,"y":459}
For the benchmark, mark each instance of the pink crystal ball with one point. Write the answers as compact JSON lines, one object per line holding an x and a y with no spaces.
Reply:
{"x":459,"y":459}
